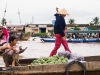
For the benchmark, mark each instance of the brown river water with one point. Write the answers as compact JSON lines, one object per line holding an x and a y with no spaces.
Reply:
{"x":38,"y":49}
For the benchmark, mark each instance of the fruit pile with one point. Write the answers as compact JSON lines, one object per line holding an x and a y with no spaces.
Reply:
{"x":50,"y":60}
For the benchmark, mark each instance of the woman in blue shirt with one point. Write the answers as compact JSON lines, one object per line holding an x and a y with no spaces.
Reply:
{"x":59,"y":30}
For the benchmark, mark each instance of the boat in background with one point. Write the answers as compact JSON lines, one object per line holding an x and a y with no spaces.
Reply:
{"x":83,"y":31}
{"x":20,"y":35}
{"x":72,"y":40}
{"x":77,"y":40}
{"x":24,"y":38}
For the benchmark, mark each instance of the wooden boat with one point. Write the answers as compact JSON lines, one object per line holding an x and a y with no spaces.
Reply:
{"x":91,"y":67}
{"x":25,"y":38}
{"x":72,"y":40}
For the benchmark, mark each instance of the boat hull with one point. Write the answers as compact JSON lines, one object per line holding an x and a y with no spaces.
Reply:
{"x":72,"y":40}
{"x":92,"y":65}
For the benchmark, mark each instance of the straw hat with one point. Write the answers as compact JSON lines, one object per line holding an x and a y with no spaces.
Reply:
{"x":63,"y":12}
{"x":5,"y":27}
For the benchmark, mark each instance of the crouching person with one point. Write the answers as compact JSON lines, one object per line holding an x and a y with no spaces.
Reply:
{"x":11,"y":52}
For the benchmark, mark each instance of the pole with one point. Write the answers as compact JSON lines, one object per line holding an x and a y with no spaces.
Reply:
{"x":10,"y":22}
{"x":19,"y":16}
{"x":5,"y":11}
{"x":4,"y":16}
{"x":32,"y":19}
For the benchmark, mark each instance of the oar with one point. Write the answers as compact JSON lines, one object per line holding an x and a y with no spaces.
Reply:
{"x":4,"y":53}
{"x":19,"y":51}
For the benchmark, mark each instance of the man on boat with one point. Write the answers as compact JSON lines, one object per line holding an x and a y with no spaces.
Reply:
{"x":59,"y":30}
{"x":11,"y":52}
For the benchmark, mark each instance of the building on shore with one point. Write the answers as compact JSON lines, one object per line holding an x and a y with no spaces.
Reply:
{"x":45,"y":28}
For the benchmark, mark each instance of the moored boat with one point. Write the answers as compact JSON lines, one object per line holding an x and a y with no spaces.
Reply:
{"x":20,"y":35}
{"x":25,"y":38}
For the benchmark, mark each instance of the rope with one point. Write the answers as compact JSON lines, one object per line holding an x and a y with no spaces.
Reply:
{"x":17,"y":62}
{"x":73,"y":62}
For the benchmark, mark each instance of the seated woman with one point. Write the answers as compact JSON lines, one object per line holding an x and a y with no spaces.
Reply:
{"x":2,"y":41}
{"x":11,"y":52}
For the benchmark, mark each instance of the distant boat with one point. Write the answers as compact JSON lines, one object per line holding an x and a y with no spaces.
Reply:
{"x":83,"y":31}
{"x":21,"y":37}
{"x":72,"y":40}
{"x":77,"y":40}
{"x":25,"y":38}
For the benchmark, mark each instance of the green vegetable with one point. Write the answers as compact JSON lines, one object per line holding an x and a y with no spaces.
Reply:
{"x":50,"y":60}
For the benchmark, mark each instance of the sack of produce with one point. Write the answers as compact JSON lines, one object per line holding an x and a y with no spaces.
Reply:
{"x":72,"y":56}
{"x":65,"y":54}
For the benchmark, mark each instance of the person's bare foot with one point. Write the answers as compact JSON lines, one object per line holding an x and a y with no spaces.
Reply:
{"x":13,"y":64}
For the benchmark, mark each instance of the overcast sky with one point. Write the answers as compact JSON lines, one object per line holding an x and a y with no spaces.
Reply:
{"x":42,"y":11}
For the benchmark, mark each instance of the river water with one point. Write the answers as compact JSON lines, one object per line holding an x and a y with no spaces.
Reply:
{"x":38,"y":49}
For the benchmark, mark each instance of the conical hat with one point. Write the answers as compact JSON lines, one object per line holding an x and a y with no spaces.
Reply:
{"x":63,"y":11}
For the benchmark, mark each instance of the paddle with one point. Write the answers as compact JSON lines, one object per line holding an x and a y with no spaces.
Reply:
{"x":21,"y":51}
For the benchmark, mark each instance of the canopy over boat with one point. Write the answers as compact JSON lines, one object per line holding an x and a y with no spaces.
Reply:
{"x":83,"y":31}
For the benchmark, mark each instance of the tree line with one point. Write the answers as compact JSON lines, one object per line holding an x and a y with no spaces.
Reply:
{"x":95,"y":21}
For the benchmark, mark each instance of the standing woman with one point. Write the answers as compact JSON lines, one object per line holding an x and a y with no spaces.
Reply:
{"x":59,"y":30}
{"x":6,"y":33}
